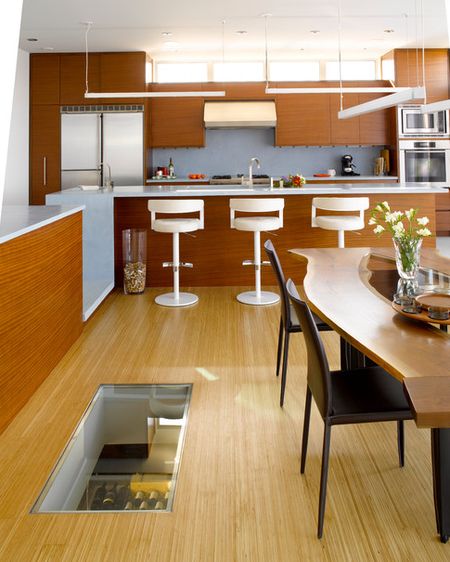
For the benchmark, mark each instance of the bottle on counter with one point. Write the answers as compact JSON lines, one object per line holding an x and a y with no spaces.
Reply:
{"x":171,"y":169}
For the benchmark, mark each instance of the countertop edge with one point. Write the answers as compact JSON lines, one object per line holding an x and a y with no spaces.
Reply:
{"x":60,"y":212}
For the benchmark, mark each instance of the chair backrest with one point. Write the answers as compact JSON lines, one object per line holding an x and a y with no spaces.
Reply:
{"x":341,"y":203}
{"x":256,"y":205}
{"x":319,"y":378}
{"x":176,"y":206}
{"x":276,"y":266}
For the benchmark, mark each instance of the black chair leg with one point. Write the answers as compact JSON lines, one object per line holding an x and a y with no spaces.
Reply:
{"x":305,"y":429}
{"x":401,"y":442}
{"x":280,"y":346}
{"x":324,"y":477}
{"x":284,"y":368}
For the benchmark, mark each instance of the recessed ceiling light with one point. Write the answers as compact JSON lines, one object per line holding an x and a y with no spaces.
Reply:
{"x":31,"y":39}
{"x":315,"y":31}
{"x":241,"y":32}
{"x":166,"y":34}
{"x":48,"y":48}
{"x":389,"y":30}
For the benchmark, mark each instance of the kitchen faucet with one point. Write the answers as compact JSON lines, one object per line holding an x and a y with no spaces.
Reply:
{"x":109,"y":183}
{"x":250,"y":169}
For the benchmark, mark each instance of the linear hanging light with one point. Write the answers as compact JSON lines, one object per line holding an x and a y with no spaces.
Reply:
{"x":118,"y":95}
{"x":337,"y":90}
{"x":435,"y":106}
{"x":198,"y":94}
{"x":410,"y":94}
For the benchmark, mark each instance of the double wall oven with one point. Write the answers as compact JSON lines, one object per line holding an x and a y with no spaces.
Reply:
{"x":424,"y":146}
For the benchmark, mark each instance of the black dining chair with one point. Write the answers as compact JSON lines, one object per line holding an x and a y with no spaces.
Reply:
{"x":288,"y":319}
{"x":362,"y":395}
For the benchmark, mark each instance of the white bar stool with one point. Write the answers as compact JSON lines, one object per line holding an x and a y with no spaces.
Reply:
{"x":341,"y":223}
{"x":256,"y":224}
{"x":175,"y":226}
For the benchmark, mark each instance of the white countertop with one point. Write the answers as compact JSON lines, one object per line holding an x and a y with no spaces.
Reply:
{"x":20,"y":219}
{"x":239,"y":190}
{"x":308,"y":178}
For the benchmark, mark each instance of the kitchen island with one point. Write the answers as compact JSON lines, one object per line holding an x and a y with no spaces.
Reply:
{"x":218,"y":251}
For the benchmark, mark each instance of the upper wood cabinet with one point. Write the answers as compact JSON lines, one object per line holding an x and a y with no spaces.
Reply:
{"x":408,"y":71}
{"x":375,"y":127}
{"x":44,"y":79}
{"x":302,"y":120}
{"x":343,"y":131}
{"x":123,"y":72}
{"x":45,"y":152}
{"x":73,"y":78}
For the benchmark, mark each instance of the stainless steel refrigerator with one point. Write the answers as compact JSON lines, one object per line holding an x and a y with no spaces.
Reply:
{"x":93,"y":142}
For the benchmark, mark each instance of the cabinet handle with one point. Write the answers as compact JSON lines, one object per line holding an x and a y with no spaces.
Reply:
{"x":45,"y":170}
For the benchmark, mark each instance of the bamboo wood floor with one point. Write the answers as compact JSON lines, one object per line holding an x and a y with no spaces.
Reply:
{"x":240,"y":496}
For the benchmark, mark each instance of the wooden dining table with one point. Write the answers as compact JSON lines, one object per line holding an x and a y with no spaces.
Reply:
{"x":352,"y":290}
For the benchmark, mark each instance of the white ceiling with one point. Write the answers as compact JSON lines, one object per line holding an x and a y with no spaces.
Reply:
{"x":196,"y":26}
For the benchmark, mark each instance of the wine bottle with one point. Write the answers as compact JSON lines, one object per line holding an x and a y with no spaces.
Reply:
{"x":171,"y":169}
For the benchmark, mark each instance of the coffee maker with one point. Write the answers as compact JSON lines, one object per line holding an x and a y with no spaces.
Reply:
{"x":348,"y":166}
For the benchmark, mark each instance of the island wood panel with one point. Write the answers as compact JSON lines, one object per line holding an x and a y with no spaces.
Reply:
{"x":408,"y":71}
{"x":41,"y":304}
{"x":218,"y":251}
{"x":73,"y":78}
{"x":44,"y":78}
{"x":45,"y":152}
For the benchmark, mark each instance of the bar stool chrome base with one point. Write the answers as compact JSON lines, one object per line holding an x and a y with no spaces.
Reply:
{"x":265,"y":297}
{"x":170,"y":299}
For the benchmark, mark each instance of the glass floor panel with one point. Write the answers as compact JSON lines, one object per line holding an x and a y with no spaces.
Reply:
{"x":124,"y":454}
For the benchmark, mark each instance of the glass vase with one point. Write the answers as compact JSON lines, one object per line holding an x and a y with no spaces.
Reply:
{"x":134,"y":249}
{"x":407,"y":257}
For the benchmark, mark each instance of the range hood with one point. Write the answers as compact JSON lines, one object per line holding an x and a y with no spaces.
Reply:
{"x":237,"y":114}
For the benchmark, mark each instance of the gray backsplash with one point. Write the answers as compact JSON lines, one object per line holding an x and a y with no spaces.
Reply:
{"x":229,"y":152}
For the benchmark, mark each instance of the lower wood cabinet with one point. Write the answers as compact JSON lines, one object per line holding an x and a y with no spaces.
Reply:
{"x":443,"y":214}
{"x":45,"y":152}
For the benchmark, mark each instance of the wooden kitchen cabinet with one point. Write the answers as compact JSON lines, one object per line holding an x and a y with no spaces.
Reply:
{"x":343,"y":131}
{"x":176,"y":122}
{"x":302,"y":120}
{"x":375,"y":127}
{"x":45,"y":152}
{"x":122,"y":72}
{"x":443,"y":214}
{"x":73,"y":78}
{"x":408,"y":71}
{"x":44,"y":79}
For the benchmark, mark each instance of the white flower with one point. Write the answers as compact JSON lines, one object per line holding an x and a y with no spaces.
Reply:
{"x":378,"y":229}
{"x":398,"y":229}
{"x":424,"y":232}
{"x":423,"y":221}
{"x":372,"y":221}
{"x":386,"y":205}
{"x":409,"y":214}
{"x":394,"y":217}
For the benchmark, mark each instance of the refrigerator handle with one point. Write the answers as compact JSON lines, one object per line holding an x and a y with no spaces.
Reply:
{"x":44,"y":161}
{"x":100,"y":148}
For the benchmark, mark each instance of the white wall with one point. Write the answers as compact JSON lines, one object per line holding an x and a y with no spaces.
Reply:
{"x":16,"y":180}
{"x":9,"y":40}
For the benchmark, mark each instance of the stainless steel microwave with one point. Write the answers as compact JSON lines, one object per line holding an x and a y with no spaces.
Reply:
{"x":412,"y":123}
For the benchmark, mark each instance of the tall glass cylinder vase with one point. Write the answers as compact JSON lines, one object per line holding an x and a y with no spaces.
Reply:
{"x":134,"y":251}
{"x":407,"y":257}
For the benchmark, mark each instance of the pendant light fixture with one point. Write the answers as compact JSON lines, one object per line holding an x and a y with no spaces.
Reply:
{"x":403,"y":95}
{"x":118,"y":95}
